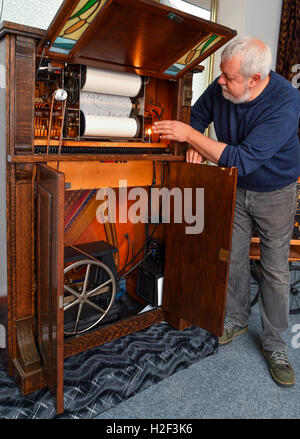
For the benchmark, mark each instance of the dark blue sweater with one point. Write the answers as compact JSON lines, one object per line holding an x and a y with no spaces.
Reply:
{"x":261,"y":135}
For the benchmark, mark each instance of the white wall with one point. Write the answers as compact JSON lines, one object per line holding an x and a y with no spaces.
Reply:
{"x":36,"y":13}
{"x":258,"y":18}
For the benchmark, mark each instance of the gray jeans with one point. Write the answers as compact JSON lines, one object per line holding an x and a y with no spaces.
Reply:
{"x":272,"y":214}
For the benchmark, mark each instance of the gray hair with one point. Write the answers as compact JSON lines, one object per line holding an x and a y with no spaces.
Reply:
{"x":257,"y":56}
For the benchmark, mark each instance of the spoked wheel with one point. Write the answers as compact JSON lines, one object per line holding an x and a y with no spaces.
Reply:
{"x":294,"y":289}
{"x":294,"y":297}
{"x":88,"y":295}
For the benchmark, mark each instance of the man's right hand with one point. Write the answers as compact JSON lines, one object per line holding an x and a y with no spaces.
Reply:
{"x":193,"y":156}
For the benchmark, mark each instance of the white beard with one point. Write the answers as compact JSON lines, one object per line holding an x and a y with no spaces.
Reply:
{"x":244,"y":98}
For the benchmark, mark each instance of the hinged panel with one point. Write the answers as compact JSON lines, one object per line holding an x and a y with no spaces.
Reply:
{"x":197,"y":264}
{"x":50,"y":269}
{"x":143,"y":36}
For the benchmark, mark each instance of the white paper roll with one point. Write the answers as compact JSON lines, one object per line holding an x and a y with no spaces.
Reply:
{"x":114,"y":83}
{"x":101,"y":126}
{"x":99,"y":104}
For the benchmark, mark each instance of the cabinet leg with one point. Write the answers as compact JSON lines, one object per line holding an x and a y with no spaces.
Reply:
{"x":177,"y":322}
{"x":27,"y":366}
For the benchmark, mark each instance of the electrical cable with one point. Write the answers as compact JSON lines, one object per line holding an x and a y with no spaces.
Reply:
{"x":129,"y":244}
{"x":127,"y":256}
{"x":40,"y":63}
{"x":148,"y":238}
{"x":133,"y":268}
{"x":137,"y":254}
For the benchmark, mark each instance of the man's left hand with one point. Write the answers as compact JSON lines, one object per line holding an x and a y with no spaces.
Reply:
{"x":172,"y":130}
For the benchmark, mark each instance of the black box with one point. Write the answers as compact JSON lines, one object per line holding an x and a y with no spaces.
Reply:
{"x":150,"y":282}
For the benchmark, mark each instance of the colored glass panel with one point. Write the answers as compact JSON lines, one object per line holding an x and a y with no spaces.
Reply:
{"x":81,"y":17}
{"x":62,"y":45}
{"x":199,"y":50}
{"x":174,"y":69}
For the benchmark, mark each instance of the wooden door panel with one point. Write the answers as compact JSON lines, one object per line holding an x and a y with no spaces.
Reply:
{"x":50,"y":266}
{"x":196,"y":274}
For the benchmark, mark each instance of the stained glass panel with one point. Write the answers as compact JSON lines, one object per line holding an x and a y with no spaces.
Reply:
{"x":196,"y":52}
{"x":81,"y":17}
{"x":62,"y":45}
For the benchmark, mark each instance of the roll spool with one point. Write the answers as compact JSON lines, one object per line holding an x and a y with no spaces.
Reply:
{"x":109,"y":104}
{"x":110,"y":82}
{"x":101,"y":104}
{"x":108,"y":127}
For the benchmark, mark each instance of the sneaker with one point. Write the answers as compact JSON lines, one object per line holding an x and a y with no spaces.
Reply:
{"x":230,"y":331}
{"x":280,"y":368}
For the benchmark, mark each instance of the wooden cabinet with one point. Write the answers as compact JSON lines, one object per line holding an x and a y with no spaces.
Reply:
{"x":196,"y":267}
{"x":36,"y":180}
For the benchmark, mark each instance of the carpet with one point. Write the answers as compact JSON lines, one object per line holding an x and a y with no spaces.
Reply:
{"x":100,"y":378}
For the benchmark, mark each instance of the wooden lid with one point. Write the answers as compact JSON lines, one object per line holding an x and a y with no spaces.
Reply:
{"x":141,"y":36}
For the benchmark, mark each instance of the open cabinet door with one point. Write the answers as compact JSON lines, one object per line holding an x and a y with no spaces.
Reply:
{"x":196,"y":274}
{"x":50,"y":269}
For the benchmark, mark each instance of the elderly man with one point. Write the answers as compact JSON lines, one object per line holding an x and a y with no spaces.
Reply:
{"x":256,"y":115}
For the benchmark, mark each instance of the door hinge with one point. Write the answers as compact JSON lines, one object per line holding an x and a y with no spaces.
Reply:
{"x":61,"y":302}
{"x":224,"y":255}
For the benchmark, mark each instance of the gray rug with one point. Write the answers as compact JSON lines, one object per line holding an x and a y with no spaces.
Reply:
{"x":99,"y":379}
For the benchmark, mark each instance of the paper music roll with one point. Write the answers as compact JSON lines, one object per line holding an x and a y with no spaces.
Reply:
{"x":102,"y":126}
{"x":99,"y":104}
{"x":113,"y":83}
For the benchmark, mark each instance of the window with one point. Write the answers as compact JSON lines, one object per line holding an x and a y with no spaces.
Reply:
{"x":202,"y":9}
{"x":189,"y":8}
